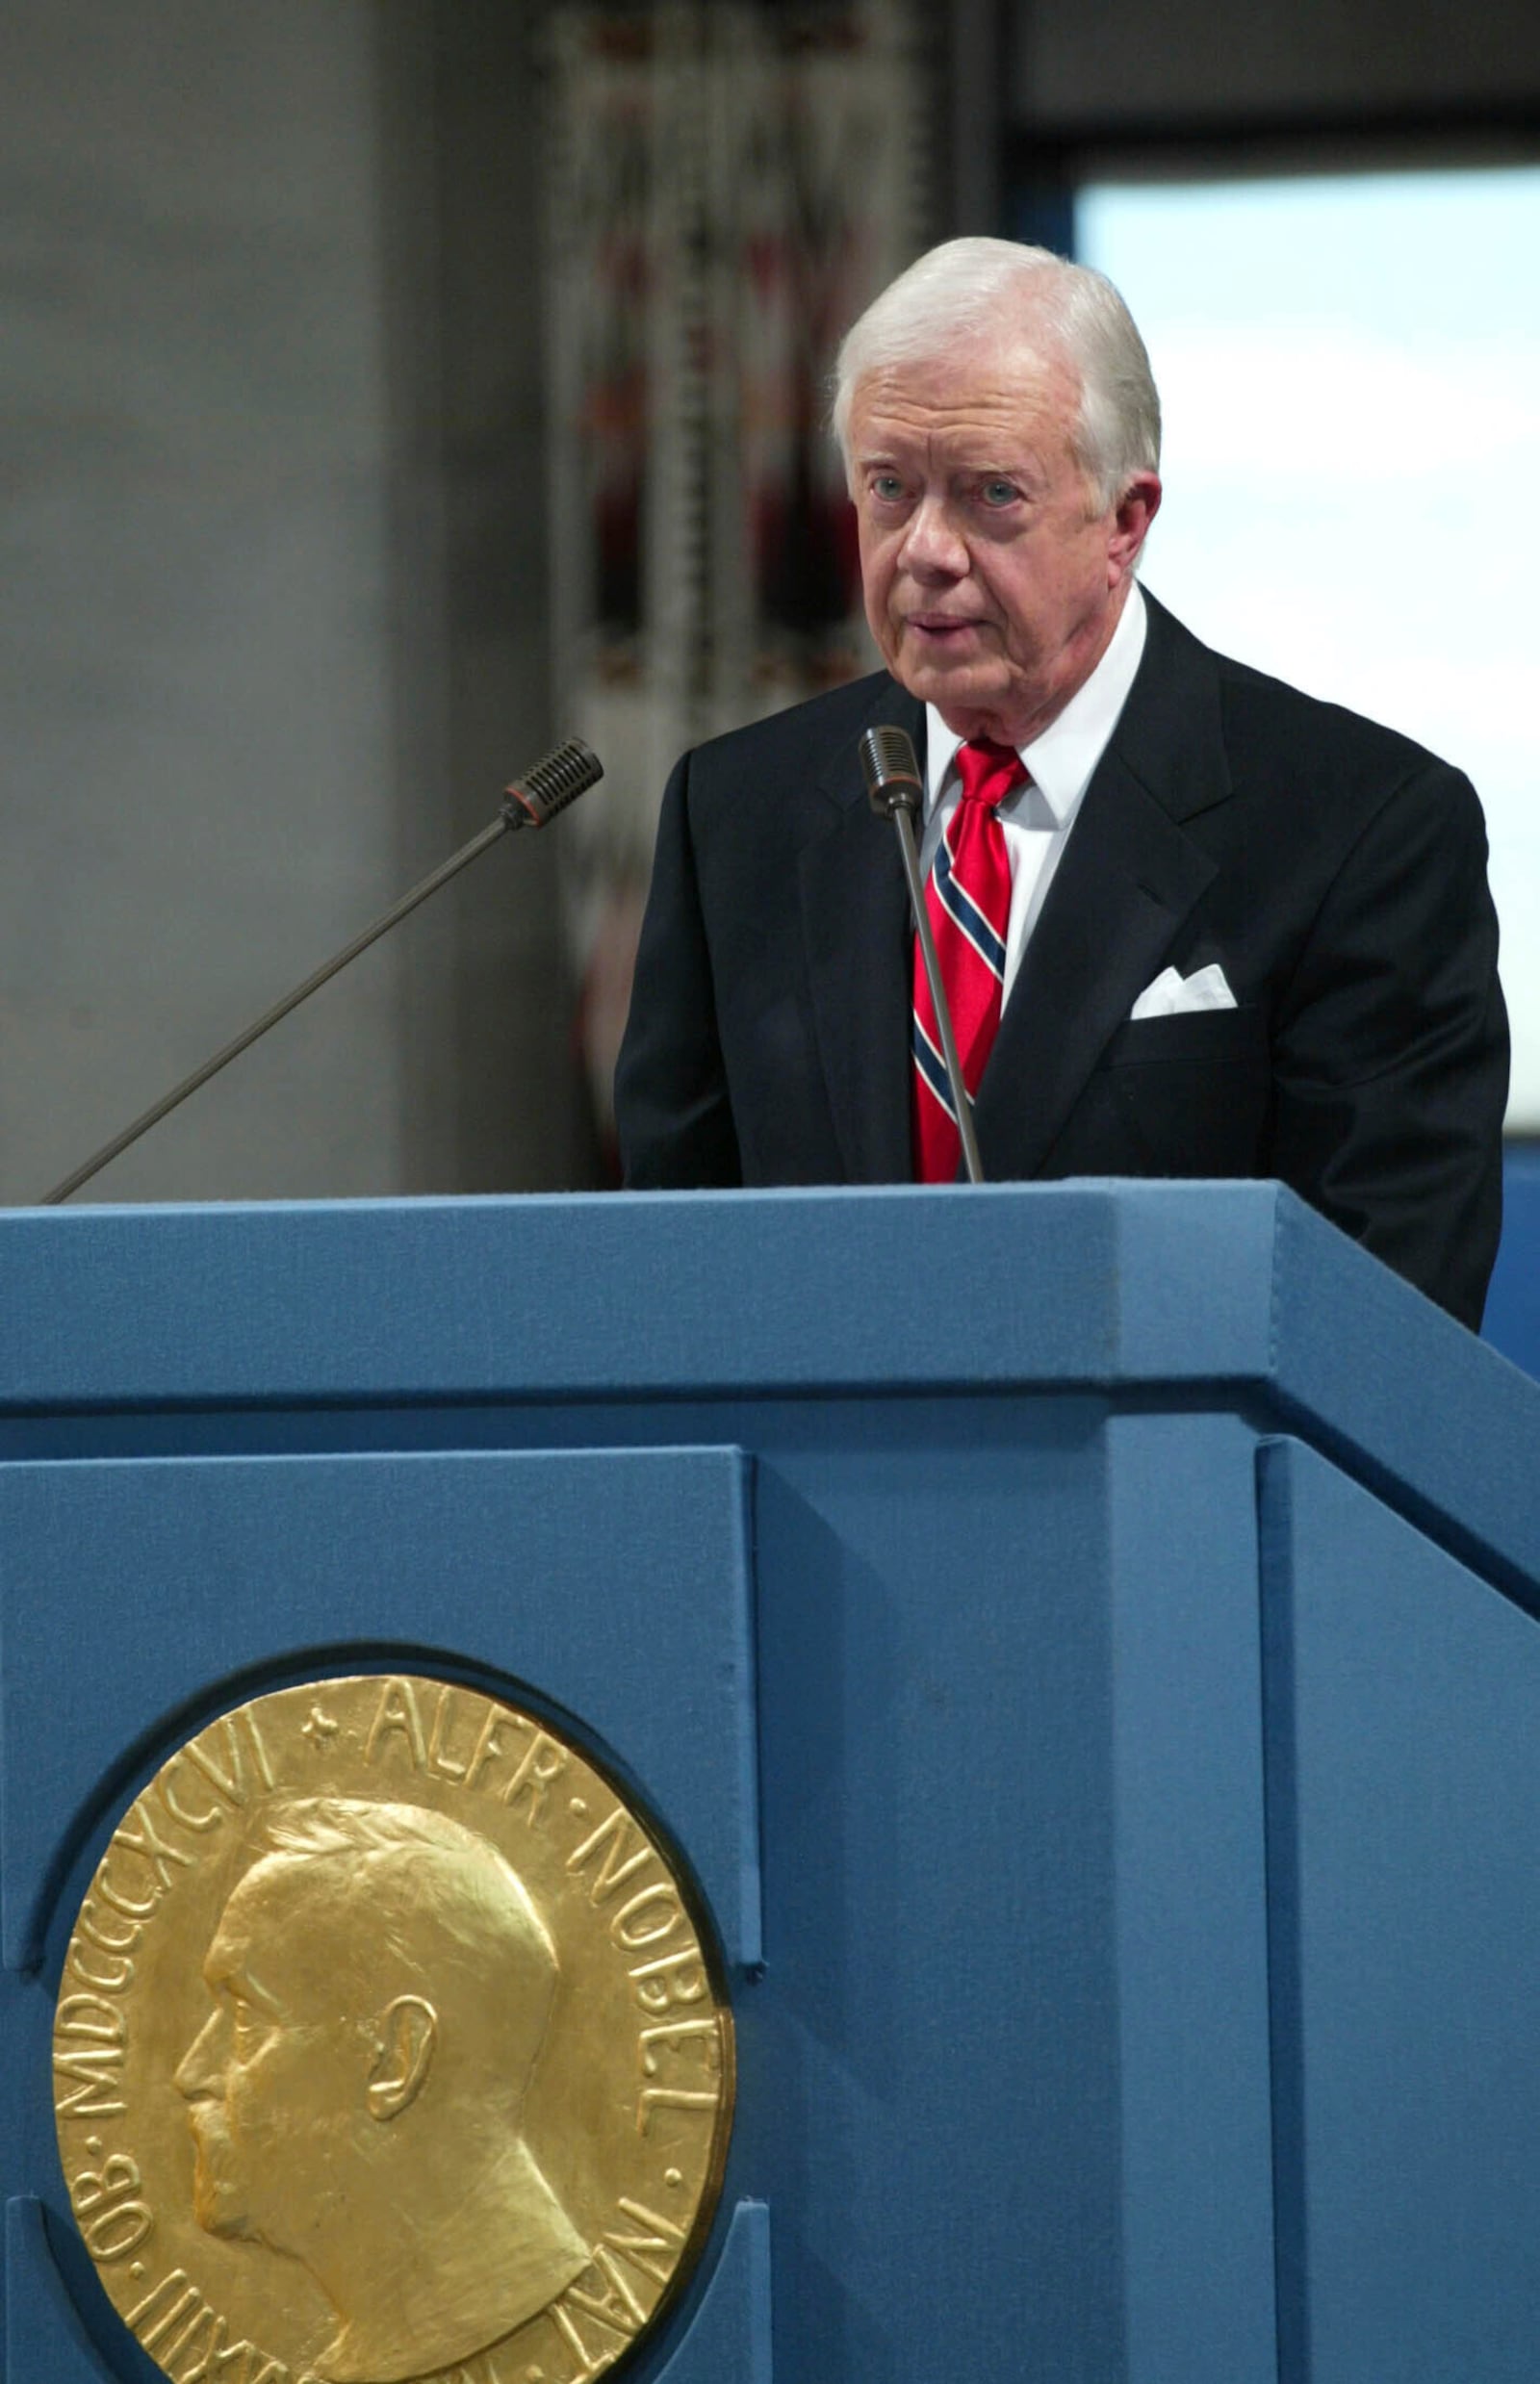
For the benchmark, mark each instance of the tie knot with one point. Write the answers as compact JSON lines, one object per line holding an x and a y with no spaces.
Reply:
{"x":988,"y":771}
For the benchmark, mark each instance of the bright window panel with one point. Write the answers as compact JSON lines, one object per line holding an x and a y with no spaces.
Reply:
{"x":1349,"y":371}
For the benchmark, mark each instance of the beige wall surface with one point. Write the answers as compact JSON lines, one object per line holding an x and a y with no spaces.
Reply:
{"x":258,"y":586}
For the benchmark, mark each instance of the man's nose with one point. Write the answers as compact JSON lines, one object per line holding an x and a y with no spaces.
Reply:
{"x":934,"y":547}
{"x":198,"y":2072}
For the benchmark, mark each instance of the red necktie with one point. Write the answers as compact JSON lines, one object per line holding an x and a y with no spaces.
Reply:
{"x":969,"y":898}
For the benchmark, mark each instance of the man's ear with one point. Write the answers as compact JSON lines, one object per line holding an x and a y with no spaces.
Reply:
{"x":1132,"y":514}
{"x":408,"y":2032}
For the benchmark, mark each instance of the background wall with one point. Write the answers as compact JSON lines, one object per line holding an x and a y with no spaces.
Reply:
{"x":272,"y":549}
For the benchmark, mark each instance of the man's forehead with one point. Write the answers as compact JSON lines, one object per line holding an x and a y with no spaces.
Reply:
{"x":994,"y":387}
{"x":281,"y":1932}
{"x":270,"y":1898}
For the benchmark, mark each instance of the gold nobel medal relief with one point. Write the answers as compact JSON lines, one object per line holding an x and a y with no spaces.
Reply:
{"x":387,"y":2047}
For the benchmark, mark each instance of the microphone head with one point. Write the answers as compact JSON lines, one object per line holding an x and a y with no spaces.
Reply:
{"x":892,"y":774}
{"x":556,"y":780}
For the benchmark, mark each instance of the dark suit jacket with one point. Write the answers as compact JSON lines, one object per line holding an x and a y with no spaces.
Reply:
{"x":1334,"y":870}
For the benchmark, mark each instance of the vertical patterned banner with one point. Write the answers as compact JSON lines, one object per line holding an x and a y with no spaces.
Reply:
{"x":733,"y":180}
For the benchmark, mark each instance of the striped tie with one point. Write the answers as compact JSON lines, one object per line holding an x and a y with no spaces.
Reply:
{"x":969,"y":898}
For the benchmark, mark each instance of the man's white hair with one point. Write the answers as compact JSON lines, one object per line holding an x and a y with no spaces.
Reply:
{"x":417,"y":1892}
{"x":1000,"y":290}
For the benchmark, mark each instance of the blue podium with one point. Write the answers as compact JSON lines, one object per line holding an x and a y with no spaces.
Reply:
{"x":1082,"y":1638}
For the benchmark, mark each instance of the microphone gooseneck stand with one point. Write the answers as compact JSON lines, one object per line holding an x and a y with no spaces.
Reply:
{"x":556,"y":780}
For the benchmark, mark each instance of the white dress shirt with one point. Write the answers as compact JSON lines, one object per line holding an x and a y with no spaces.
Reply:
{"x":1037,"y":818}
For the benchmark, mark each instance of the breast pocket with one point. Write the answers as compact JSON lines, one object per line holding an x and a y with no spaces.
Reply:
{"x":1192,"y":1090}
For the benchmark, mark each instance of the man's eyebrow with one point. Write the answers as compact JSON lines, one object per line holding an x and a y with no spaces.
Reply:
{"x":228,"y":1975}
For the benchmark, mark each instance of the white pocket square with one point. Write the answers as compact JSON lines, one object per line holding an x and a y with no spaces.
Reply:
{"x":1204,"y":989}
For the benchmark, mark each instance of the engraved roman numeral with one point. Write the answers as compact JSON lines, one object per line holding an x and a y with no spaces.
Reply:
{"x":231,"y":1782}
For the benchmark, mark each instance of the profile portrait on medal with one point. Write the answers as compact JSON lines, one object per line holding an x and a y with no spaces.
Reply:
{"x":382,"y":1985}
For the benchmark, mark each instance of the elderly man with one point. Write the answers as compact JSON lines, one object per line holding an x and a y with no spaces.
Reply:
{"x":1193,"y":922}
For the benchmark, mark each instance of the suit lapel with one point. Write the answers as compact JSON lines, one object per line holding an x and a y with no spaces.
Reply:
{"x":1128,"y":880}
{"x":856,"y":932}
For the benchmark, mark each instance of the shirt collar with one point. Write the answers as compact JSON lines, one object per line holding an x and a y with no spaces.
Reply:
{"x":1062,"y":759}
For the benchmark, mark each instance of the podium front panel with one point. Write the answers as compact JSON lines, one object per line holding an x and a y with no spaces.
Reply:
{"x":610,"y":1591}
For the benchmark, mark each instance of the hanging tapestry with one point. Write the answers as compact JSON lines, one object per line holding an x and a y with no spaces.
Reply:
{"x":732,"y":181}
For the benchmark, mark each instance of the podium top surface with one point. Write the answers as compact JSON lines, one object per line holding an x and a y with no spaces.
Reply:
{"x":1117,"y":1287}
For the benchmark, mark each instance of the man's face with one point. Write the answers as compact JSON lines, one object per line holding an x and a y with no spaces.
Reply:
{"x":270,"y":2079}
{"x":992,"y":580}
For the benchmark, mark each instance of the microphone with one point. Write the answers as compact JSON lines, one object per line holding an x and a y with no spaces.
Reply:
{"x":892,"y":772}
{"x":895,"y":791}
{"x":556,"y":780}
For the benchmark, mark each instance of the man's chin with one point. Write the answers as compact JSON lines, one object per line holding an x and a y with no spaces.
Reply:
{"x":218,"y":2207}
{"x":217,"y":2214}
{"x":968,"y":712}
{"x":964,"y":689}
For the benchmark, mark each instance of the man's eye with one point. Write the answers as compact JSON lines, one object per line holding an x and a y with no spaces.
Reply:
{"x":887,"y":487}
{"x":997,"y":493}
